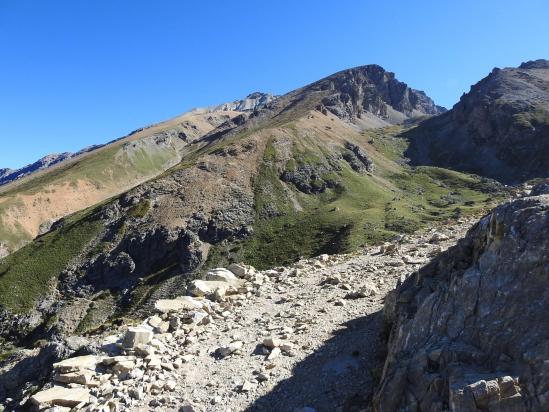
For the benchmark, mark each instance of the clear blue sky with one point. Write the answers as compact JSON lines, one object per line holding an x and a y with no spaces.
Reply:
{"x":76,"y":72}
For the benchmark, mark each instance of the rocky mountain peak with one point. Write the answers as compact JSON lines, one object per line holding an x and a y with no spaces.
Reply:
{"x":371,"y":89}
{"x":8,"y":175}
{"x":5,"y":171}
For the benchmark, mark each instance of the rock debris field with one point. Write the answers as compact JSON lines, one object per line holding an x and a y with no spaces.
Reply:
{"x":308,"y":337}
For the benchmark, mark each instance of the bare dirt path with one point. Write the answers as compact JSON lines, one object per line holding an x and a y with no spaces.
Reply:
{"x":333,"y":343}
{"x":305,"y":338}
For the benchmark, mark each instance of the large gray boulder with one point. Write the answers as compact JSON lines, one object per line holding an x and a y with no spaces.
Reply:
{"x":470,"y":331}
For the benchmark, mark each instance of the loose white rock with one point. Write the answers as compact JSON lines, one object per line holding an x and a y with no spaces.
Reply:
{"x":137,"y":336}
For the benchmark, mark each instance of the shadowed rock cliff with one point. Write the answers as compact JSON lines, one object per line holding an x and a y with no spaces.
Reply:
{"x":470,"y":331}
{"x":500,"y":129}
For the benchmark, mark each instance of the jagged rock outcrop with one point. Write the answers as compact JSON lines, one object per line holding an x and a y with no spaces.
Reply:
{"x":28,"y":368}
{"x":358,"y":159}
{"x":500,"y":129}
{"x":313,"y":177}
{"x":469,"y":331}
{"x":253,"y":101}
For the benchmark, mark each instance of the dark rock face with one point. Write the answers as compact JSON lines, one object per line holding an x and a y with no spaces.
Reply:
{"x":500,"y":129}
{"x":540,"y":188}
{"x":353,"y":92}
{"x":313,"y":178}
{"x":470,"y":330}
{"x":359,"y":161}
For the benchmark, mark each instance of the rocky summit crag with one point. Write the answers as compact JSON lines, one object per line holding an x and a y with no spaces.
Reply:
{"x":373,"y":96}
{"x":254,"y":101}
{"x":116,"y":258}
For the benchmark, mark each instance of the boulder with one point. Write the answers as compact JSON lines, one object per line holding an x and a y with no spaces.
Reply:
{"x":69,"y":397}
{"x":112,"y":360}
{"x":170,"y":385}
{"x":438,"y":237}
{"x":247,"y":386}
{"x":412,"y":260}
{"x":159,"y":325}
{"x":231,"y":348}
{"x":239,"y":270}
{"x":78,"y":363}
{"x":82,"y":378}
{"x":222,"y":275}
{"x":124,"y":367}
{"x":271,"y":342}
{"x":177,"y":305}
{"x":138,"y":335}
{"x":153,"y":362}
{"x":200,"y":288}
{"x":275,"y":353}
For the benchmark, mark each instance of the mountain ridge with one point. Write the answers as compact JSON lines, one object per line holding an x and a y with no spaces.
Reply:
{"x":250,"y":103}
{"x":169,"y":148}
{"x":265,"y":187}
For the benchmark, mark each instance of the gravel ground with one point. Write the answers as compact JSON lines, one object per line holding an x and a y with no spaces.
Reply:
{"x":309,"y":337}
{"x":337,"y":343}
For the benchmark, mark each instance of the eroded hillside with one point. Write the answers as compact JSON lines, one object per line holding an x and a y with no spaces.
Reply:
{"x":29,"y":205}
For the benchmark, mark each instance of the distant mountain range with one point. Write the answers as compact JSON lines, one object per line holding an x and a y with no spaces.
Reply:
{"x":9,"y":175}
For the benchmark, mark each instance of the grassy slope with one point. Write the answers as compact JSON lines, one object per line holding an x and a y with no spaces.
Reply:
{"x":109,"y":170}
{"x":27,"y":274}
{"x":362,"y":209}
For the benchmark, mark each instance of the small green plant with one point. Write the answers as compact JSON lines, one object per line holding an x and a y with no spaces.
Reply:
{"x":140,"y":210}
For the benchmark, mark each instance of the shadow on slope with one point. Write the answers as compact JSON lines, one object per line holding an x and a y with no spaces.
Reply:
{"x":340,"y":375}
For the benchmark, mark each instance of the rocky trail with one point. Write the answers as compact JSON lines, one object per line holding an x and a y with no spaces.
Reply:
{"x":309,"y":337}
